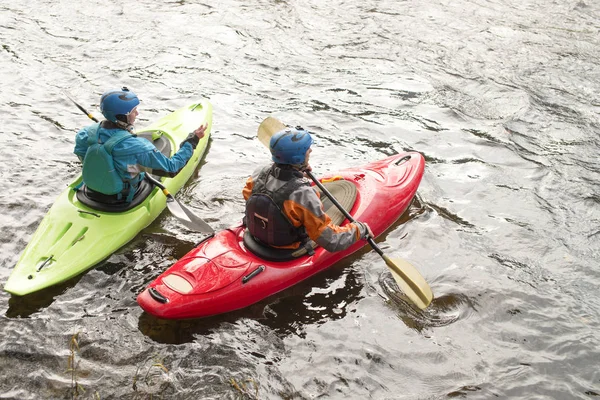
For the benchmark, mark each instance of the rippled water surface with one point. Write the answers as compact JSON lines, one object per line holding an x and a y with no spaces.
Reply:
{"x":502,"y":98}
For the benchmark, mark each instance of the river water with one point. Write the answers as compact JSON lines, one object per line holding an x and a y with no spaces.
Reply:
{"x":502,"y":98}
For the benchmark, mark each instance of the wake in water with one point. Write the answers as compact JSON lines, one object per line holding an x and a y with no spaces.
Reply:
{"x":443,"y":310}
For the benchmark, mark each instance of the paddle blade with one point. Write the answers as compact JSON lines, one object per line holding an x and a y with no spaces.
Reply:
{"x":410,"y":281}
{"x":176,"y":209}
{"x":268,"y":128}
{"x":186,"y":216}
{"x":199,"y":224}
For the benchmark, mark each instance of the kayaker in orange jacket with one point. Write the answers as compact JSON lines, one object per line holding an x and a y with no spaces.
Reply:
{"x":283,"y":210}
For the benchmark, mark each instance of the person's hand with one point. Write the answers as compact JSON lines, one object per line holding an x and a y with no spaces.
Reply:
{"x":195,"y":136}
{"x":305,"y":168}
{"x":368,"y":232}
{"x":199,"y":132}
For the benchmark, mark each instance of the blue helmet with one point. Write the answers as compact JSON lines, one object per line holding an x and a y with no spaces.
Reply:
{"x":117,"y":102}
{"x":289,"y":146}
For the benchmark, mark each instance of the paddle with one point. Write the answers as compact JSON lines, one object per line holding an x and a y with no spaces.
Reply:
{"x":90,"y":116}
{"x":178,"y":210}
{"x":405,"y":274}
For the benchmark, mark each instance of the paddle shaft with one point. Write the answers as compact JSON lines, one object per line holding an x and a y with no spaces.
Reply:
{"x":342,"y":209}
{"x":159,"y":185}
{"x":90,"y":116}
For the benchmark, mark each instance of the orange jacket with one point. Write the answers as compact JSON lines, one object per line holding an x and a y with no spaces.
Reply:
{"x":304,"y":208}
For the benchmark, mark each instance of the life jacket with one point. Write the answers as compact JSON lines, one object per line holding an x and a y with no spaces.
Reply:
{"x":265,"y":218}
{"x":99,"y":172}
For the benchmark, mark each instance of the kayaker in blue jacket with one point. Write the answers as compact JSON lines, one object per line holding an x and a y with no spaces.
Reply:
{"x":112,"y":142}
{"x":283,"y":210}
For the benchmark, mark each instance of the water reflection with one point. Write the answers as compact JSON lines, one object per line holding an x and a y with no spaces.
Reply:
{"x":25,"y":306}
{"x":444,"y":309}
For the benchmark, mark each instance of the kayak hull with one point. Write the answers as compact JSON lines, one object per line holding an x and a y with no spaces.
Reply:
{"x":73,"y":237}
{"x":221,"y":275}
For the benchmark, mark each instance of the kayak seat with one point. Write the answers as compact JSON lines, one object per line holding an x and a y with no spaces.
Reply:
{"x":271,"y":253}
{"x":108,"y":203}
{"x":343,"y":191}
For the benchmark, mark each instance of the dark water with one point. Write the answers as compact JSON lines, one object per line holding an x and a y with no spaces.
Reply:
{"x":502,"y":97}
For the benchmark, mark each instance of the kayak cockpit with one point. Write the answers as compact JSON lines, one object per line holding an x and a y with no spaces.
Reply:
{"x":101,"y":202}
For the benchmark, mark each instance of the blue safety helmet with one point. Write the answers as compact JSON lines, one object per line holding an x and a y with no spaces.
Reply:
{"x":118,"y":102}
{"x":289,"y":146}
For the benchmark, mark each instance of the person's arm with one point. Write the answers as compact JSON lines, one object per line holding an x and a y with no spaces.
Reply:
{"x":194,"y":137}
{"x":247,"y":190}
{"x":81,"y":144}
{"x":305,"y":208}
{"x":152,"y":158}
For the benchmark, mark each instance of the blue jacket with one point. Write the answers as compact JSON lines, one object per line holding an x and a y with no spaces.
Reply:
{"x":133,"y":153}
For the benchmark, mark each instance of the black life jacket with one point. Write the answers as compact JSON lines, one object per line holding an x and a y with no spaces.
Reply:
{"x":264,"y":218}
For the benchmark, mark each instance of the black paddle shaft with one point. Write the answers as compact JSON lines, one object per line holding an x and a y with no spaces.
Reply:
{"x":155,"y":182}
{"x":342,"y":209}
{"x":90,"y":116}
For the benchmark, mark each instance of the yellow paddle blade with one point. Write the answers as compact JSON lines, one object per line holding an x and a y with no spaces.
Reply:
{"x":268,"y":128}
{"x":410,"y":281}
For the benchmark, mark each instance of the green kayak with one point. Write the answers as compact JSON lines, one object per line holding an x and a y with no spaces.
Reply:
{"x":77,"y":232}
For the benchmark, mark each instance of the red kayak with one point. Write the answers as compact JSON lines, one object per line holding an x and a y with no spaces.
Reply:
{"x":230,"y":270}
